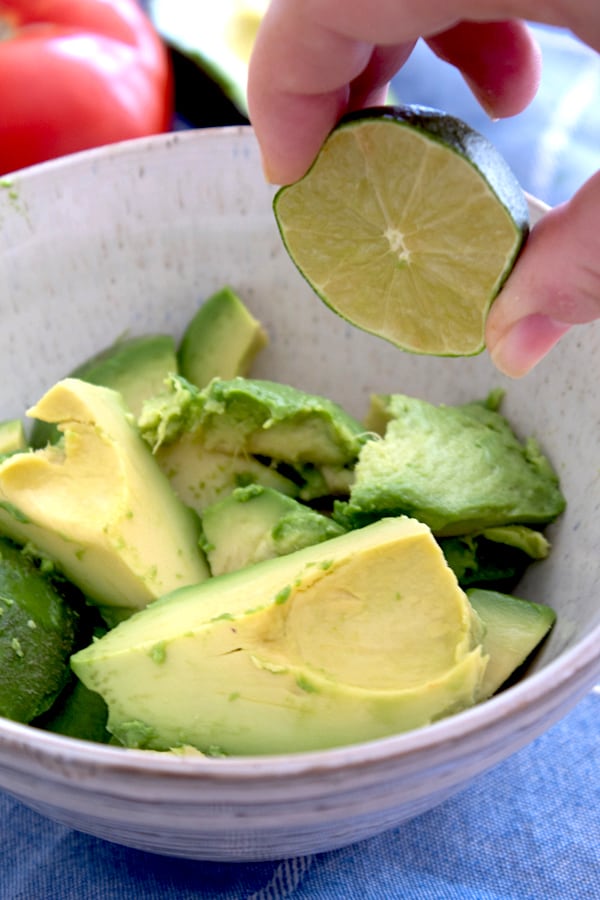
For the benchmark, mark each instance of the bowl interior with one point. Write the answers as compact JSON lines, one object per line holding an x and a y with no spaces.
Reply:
{"x":130,"y":239}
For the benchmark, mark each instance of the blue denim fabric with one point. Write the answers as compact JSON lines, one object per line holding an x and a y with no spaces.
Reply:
{"x":553,"y":146}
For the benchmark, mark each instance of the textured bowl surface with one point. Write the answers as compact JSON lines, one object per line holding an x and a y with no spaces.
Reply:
{"x":129,"y":239}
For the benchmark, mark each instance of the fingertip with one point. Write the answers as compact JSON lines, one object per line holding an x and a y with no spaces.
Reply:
{"x":500,"y":61}
{"x":516,"y":351}
{"x":291,"y":128}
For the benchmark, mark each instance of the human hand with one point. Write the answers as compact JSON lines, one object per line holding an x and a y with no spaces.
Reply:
{"x":316,"y":59}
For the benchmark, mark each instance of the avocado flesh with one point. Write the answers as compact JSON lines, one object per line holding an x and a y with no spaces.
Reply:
{"x":221,"y":340}
{"x":255,"y":432}
{"x":324,"y":481}
{"x":458,"y":468}
{"x":253,"y":416}
{"x":513,"y":629}
{"x":256,"y":523}
{"x":201,"y":477}
{"x":98,"y":505}
{"x":494,"y":557}
{"x":281,"y":422}
{"x":12,"y":436}
{"x":362,"y":636}
{"x":135,"y":367}
{"x":38,"y":633}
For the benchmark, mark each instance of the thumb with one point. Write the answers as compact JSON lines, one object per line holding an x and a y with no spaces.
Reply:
{"x":555,"y":284}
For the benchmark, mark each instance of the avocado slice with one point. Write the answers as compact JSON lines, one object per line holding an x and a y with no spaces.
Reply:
{"x":513,"y":630}
{"x":324,"y":482}
{"x":458,"y":468}
{"x":135,"y":367}
{"x":261,"y":432}
{"x":38,"y":632}
{"x":77,"y":712}
{"x":278,"y":421}
{"x":253,"y":417}
{"x":201,"y":477}
{"x":495,"y":557}
{"x":97,"y":504}
{"x":221,"y":340}
{"x":256,"y":523}
{"x":12,"y":436}
{"x":362,"y":636}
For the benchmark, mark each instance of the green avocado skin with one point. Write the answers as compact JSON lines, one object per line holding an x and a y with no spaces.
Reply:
{"x":459,"y":469}
{"x":38,"y":632}
{"x":77,"y":712}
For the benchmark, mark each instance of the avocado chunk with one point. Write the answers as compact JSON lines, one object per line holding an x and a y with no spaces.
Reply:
{"x":201,"y":477}
{"x":495,"y":557}
{"x":457,"y":468}
{"x":77,"y":712}
{"x":245,"y":415}
{"x":97,"y":504}
{"x":221,"y":341}
{"x":256,"y":523}
{"x":362,"y":636}
{"x":12,"y":436}
{"x":135,"y":367}
{"x":513,"y":630}
{"x":279,"y":421}
{"x":276,"y":424}
{"x":324,"y":482}
{"x":38,"y":633}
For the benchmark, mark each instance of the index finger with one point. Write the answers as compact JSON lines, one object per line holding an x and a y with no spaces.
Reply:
{"x":304,"y":71}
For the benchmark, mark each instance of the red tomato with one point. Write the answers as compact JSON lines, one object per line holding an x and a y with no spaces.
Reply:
{"x":76,"y":74}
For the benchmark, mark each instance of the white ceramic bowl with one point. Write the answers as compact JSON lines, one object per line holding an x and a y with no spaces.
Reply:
{"x":129,"y":239}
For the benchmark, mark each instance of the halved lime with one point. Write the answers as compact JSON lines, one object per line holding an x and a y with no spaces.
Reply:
{"x":407,"y":225}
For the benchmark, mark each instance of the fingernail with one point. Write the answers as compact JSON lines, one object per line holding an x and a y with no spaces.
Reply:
{"x":525,"y":343}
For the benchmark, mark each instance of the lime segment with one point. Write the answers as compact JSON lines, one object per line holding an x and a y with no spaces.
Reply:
{"x":406,"y":225}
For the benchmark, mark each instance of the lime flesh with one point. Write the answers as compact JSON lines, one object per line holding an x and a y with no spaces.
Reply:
{"x":406,"y":225}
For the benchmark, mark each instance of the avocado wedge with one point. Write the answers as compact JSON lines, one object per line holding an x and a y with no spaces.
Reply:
{"x":513,"y":630}
{"x":460,"y":469}
{"x":221,"y":340}
{"x":359,"y":637}
{"x":255,"y":523}
{"x":97,"y":504}
{"x":136,"y":367}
